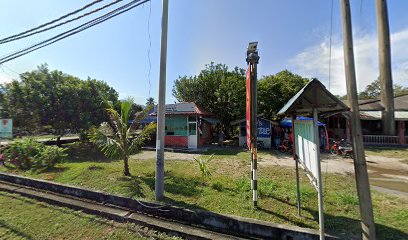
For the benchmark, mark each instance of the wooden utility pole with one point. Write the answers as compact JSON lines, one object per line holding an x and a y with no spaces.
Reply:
{"x":161,"y":108}
{"x":360,"y":165}
{"x":384,"y":52}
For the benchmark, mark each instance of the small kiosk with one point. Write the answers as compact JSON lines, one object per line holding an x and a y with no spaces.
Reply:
{"x":187,"y":125}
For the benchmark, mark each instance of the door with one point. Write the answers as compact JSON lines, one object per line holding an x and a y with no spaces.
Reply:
{"x":192,"y":135}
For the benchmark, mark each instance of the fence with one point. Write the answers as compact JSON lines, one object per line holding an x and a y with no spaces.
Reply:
{"x":380,"y":140}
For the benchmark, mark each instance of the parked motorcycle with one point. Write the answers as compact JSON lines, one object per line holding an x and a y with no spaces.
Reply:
{"x":285,"y":147}
{"x":341,"y":148}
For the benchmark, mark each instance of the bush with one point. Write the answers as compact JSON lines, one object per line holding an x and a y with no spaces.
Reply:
{"x":28,"y":154}
{"x":49,"y":156}
{"x":203,"y":166}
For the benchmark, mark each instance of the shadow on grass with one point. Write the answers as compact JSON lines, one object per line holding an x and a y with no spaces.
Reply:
{"x":86,"y":152}
{"x":177,"y":185}
{"x":224,"y":151}
{"x":132,"y":184}
{"x":14,"y":231}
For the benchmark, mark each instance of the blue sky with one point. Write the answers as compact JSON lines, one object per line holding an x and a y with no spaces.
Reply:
{"x":292,"y":34}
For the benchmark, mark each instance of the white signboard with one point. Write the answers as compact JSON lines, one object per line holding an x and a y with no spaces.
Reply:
{"x":306,"y":149}
{"x":6,"y":128}
{"x":180,"y":107}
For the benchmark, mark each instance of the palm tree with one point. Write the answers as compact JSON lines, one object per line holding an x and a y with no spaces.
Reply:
{"x":120,"y":137}
{"x":150,"y":101}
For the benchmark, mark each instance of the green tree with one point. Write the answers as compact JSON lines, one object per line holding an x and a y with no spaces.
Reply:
{"x":114,"y":138}
{"x":275,"y":90}
{"x":373,"y":90}
{"x":217,"y":89}
{"x":53,"y":99}
{"x":150,"y":101}
{"x":222,"y":91}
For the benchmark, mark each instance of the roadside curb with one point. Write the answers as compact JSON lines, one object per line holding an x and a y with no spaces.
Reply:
{"x":225,"y":224}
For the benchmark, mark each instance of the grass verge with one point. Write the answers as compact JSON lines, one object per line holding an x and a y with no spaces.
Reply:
{"x":25,"y":218}
{"x":229,"y":191}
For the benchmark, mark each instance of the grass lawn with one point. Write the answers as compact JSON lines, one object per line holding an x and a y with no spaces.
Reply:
{"x":228,"y":191}
{"x":25,"y":218}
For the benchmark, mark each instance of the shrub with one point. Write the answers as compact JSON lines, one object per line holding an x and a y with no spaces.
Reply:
{"x":203,"y":165}
{"x":21,"y":153}
{"x":28,"y":154}
{"x":49,"y":156}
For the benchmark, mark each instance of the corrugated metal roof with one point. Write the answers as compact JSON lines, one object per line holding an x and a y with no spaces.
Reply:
{"x":376,"y":115}
{"x":400,"y":104}
{"x":313,"y":95}
{"x":184,"y":108}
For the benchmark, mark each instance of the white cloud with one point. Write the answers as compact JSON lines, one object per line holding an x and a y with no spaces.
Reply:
{"x":314,"y":61}
{"x":4,"y":78}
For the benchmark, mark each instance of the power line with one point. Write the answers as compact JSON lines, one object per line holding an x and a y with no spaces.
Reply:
{"x":55,"y":20}
{"x":330,"y":41}
{"x":20,"y":36}
{"x":74,"y":31}
{"x":150,"y":46}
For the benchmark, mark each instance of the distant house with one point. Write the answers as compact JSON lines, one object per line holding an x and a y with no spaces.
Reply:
{"x":187,"y":125}
{"x":338,"y":125}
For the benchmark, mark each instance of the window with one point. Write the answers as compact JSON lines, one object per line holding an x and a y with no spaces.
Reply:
{"x":192,"y":129}
{"x":176,"y":126}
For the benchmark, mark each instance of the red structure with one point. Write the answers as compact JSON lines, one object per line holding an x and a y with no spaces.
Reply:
{"x":188,"y":126}
{"x":371,"y":111}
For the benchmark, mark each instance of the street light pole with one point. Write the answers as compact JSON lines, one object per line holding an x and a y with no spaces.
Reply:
{"x":161,"y":109}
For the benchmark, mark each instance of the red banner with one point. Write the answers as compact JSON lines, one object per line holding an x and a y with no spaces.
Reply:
{"x":248,"y":107}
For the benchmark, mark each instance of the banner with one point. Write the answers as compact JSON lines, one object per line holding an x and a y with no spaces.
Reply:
{"x":6,"y":128}
{"x":306,"y":148}
{"x":248,"y":106}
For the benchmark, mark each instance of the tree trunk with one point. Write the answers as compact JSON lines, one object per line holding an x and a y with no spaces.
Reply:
{"x":58,"y":142}
{"x":126,"y":171}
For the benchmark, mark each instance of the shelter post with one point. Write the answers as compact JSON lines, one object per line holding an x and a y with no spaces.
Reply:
{"x":319,"y":175}
{"x":297,"y":165}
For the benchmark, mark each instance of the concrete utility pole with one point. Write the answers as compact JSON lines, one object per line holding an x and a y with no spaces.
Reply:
{"x":360,"y":165}
{"x":384,"y":51}
{"x":161,"y":109}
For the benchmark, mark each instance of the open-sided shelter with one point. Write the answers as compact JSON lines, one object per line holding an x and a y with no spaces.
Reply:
{"x":313,"y":99}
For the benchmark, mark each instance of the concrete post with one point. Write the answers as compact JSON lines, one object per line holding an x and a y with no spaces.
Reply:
{"x":161,"y":109}
{"x":384,"y":48}
{"x":360,"y":165}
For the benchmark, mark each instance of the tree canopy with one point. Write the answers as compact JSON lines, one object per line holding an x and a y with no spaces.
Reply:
{"x":373,"y":90}
{"x":222,"y":91}
{"x":57,"y":100}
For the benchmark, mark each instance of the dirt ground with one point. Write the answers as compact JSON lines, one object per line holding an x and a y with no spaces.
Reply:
{"x":386,"y":174}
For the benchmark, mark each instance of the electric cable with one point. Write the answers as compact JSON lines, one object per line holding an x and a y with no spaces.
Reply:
{"x":10,"y":39}
{"x":74,"y":31}
{"x":55,"y":20}
{"x":330,"y":41}
{"x":150,"y":46}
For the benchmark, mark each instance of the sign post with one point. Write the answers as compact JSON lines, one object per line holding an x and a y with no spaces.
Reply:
{"x":6,"y":130}
{"x":251,"y":114}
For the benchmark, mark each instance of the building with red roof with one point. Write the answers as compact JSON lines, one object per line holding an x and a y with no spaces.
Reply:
{"x":188,"y":125}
